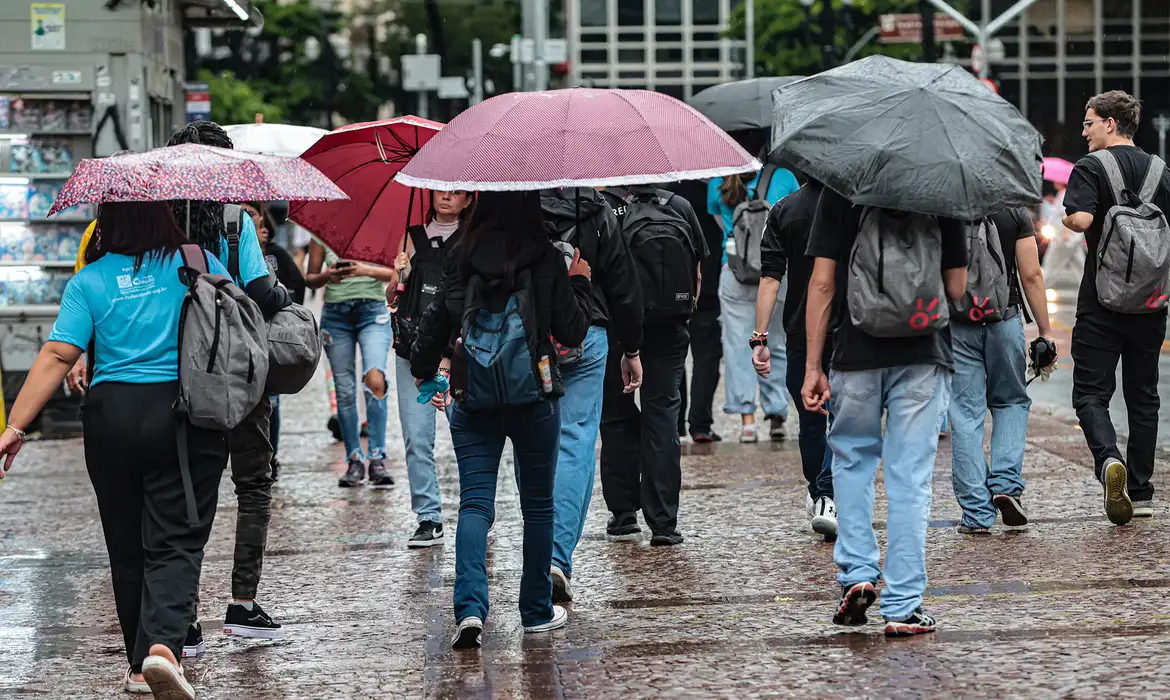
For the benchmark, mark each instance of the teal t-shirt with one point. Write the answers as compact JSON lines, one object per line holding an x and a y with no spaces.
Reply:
{"x":252,"y":265}
{"x":132,"y":316}
{"x":783,"y":184}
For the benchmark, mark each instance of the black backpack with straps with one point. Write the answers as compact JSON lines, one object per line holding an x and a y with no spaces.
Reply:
{"x":660,"y":241}
{"x":426,"y":275}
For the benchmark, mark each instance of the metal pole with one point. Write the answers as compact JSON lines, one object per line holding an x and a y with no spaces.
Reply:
{"x":828,"y":35}
{"x":517,"y":69}
{"x":865,"y":39}
{"x":927,"y":12}
{"x":477,"y":70}
{"x":540,"y":22}
{"x":1162,"y":124}
{"x":420,"y":48}
{"x":749,"y":47}
{"x":528,"y":26}
{"x":985,"y":19}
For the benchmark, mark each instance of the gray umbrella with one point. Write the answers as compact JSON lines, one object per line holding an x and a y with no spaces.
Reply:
{"x":917,"y":137}
{"x":744,"y":104}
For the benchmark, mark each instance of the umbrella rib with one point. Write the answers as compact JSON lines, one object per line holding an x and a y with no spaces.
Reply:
{"x":636,"y":109}
{"x":955,"y":152}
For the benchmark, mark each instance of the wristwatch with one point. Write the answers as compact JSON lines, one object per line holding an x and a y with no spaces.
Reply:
{"x":758,"y":340}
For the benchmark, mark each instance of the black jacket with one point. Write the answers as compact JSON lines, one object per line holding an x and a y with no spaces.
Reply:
{"x":287,"y":271}
{"x":695,"y":192}
{"x":562,"y":304}
{"x":617,"y":293}
{"x":782,"y":249}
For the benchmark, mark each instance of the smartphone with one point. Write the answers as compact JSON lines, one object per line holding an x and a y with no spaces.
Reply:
{"x":344,"y":263}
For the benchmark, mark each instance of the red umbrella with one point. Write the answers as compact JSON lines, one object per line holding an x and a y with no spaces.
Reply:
{"x":196,"y":172}
{"x":575,"y":138}
{"x":363,"y":160}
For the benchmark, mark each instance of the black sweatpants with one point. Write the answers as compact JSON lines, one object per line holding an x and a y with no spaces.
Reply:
{"x":155,"y":554}
{"x":251,"y":463}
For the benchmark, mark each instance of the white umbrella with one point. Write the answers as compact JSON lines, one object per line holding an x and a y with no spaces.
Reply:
{"x":288,"y":140}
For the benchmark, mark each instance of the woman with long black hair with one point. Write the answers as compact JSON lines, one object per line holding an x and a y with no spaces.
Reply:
{"x":505,"y":251}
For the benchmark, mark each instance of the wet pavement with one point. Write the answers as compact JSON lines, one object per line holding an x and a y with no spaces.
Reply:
{"x":1070,"y":607}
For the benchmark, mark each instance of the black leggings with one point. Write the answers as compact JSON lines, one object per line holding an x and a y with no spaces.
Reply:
{"x":155,"y":553}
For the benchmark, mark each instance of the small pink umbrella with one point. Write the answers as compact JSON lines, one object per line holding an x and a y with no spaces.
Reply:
{"x":1057,"y":170}
{"x":580,"y":137}
{"x":194,"y":172}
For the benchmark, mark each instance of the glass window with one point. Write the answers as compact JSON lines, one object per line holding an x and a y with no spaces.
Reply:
{"x":594,"y":38}
{"x":669,"y":36}
{"x":668,"y":55}
{"x":637,"y":37}
{"x":631,"y":55}
{"x":631,"y":13}
{"x":705,"y":12}
{"x":593,"y":13}
{"x":668,"y":12}
{"x":675,"y":91}
{"x":710,"y":55}
{"x":673,"y":73}
{"x":594,"y":56}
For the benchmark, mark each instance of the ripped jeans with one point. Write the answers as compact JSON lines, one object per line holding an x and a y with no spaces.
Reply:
{"x":345,"y":326}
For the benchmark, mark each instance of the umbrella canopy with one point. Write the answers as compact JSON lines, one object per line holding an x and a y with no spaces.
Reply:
{"x":196,"y":172}
{"x":287,"y":140}
{"x":363,"y":160}
{"x":580,"y":137}
{"x":917,"y":137}
{"x":740,"y":105}
{"x":1057,"y":170}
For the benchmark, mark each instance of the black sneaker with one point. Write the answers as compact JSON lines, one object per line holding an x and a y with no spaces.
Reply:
{"x":917,"y":623}
{"x":968,"y":530}
{"x":334,"y":426}
{"x":468,"y":634}
{"x":776,"y":427}
{"x":194,"y":647}
{"x":354,"y":476}
{"x":666,"y":539}
{"x":855,"y":600}
{"x":428,"y":534}
{"x":379,"y":474}
{"x":1010,"y":509}
{"x":623,"y":527}
{"x":242,"y":622}
{"x":705,"y":436}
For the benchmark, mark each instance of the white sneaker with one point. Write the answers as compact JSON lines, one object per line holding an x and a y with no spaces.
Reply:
{"x":135,"y":687}
{"x":468,"y":634}
{"x":749,"y":434}
{"x":1143,"y":509}
{"x":559,"y":619}
{"x":824,"y":520}
{"x":562,"y":590}
{"x":809,"y":504}
{"x":166,"y":680}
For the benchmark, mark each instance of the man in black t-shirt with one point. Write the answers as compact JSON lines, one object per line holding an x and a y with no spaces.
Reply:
{"x":1102,"y":337}
{"x":990,"y":368}
{"x":903,"y":377}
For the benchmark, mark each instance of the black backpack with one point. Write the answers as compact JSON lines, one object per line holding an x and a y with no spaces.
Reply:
{"x":426,"y":274}
{"x":660,"y":241}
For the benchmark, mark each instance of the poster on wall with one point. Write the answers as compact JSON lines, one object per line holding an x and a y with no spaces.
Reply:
{"x":48,"y":26}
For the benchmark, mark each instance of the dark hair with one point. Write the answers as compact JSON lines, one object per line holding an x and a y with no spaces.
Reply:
{"x":136,"y":229}
{"x":1121,"y":107}
{"x":513,"y":217}
{"x":265,"y":215}
{"x":206,"y":217}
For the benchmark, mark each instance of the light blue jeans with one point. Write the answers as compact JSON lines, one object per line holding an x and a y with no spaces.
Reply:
{"x":737,"y":313}
{"x":346,"y":326}
{"x":989,"y":374}
{"x":577,"y":457}
{"x":418,"y":436}
{"x":912,"y":399}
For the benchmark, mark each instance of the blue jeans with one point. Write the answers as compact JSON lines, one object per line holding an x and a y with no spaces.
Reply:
{"x":274,"y":423}
{"x":989,"y":374}
{"x":418,"y":435}
{"x":911,"y":396}
{"x":737,"y":313}
{"x":478,"y":437}
{"x":344,"y":327}
{"x":577,"y":459}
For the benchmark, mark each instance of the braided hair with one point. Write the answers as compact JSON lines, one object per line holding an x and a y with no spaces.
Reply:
{"x":206,"y":217}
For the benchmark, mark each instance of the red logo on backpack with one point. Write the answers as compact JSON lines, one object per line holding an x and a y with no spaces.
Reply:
{"x":1158,"y":299}
{"x":926,"y":313}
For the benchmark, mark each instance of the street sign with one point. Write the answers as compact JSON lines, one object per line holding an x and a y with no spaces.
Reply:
{"x":421,"y":72}
{"x":556,"y":51}
{"x":198,"y":101}
{"x":978,"y":59}
{"x":454,"y":88}
{"x":527,"y":50}
{"x":907,"y":29}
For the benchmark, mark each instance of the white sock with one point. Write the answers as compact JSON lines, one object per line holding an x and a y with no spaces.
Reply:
{"x":246,"y":606}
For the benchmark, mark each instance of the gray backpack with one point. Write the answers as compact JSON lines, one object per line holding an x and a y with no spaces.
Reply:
{"x":1133,"y":259}
{"x":895,"y":285}
{"x":747,"y":231}
{"x":988,"y":291}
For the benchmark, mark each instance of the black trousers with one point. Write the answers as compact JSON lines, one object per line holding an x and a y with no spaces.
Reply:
{"x":155,"y":554}
{"x":814,"y":455}
{"x":251,"y":465}
{"x":1099,"y":340}
{"x":706,"y":361}
{"x":640,"y":458}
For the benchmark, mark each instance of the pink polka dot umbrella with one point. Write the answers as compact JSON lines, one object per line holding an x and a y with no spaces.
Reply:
{"x":194,"y":172}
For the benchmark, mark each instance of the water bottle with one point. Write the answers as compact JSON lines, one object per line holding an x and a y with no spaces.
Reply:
{"x":545,"y":375}
{"x":431,"y":387}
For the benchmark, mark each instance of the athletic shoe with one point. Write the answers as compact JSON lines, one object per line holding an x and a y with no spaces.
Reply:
{"x":428,"y":534}
{"x":255,"y":623}
{"x":623,"y":527}
{"x":918,"y":623}
{"x":135,"y":687}
{"x":1143,"y":509}
{"x":748,"y":434}
{"x":1117,"y":504}
{"x":166,"y":679}
{"x":379,"y":474}
{"x":666,"y":539}
{"x":705,"y":436}
{"x":824,"y":519}
{"x":968,"y":530}
{"x":468,"y":634}
{"x":194,"y":647}
{"x":810,"y":506}
{"x":334,"y":426}
{"x":855,"y":600}
{"x":776,"y":428}
{"x":562,"y":591}
{"x":354,"y":475}
{"x":559,"y":619}
{"x":1010,"y":509}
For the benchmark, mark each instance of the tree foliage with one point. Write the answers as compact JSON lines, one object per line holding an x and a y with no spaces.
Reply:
{"x":235,"y":102}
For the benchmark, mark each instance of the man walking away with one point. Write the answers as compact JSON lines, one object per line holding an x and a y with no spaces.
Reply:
{"x":1118,"y":196}
{"x":640,"y":458}
{"x":782,"y":249}
{"x":581,"y":219}
{"x":990,"y":366}
{"x":891,"y":353}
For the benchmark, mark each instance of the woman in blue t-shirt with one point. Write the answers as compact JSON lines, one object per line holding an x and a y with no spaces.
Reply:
{"x":127,"y":301}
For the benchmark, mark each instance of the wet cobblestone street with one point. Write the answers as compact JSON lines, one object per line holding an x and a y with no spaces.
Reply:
{"x":1070,"y":607}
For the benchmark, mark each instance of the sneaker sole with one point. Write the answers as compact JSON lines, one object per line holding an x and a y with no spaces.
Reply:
{"x":423,"y":544}
{"x":560,"y":591}
{"x":348,"y":485}
{"x":1118,"y":507}
{"x":382,"y":486}
{"x":166,"y":683}
{"x":548,"y":626}
{"x":253,"y":632}
{"x":1012,"y":516}
{"x":196,"y":651}
{"x":902,"y":629}
{"x":824,"y":526}
{"x":469,"y":638}
{"x":851,"y":612}
{"x":1143,"y":512}
{"x":625,"y":537}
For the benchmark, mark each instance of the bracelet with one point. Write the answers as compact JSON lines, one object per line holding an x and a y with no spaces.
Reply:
{"x":757,"y":334}
{"x":19,"y":433}
{"x":633,"y":355}
{"x":445,"y":370}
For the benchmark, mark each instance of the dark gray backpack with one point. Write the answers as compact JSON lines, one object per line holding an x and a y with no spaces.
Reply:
{"x":1133,"y":259}
{"x":747,"y":231}
{"x":895,"y":275}
{"x":988,"y":290}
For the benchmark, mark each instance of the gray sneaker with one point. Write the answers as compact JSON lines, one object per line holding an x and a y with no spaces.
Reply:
{"x":354,"y":475}
{"x":1143,"y":509}
{"x":379,"y":474}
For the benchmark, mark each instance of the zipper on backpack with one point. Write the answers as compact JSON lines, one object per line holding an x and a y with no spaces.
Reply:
{"x":1129,"y":266}
{"x":881,"y":276}
{"x":251,"y":368}
{"x":215,"y":338}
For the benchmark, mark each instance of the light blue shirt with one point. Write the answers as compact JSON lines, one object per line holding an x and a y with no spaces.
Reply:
{"x":252,"y":265}
{"x":132,"y":316}
{"x":783,"y":183}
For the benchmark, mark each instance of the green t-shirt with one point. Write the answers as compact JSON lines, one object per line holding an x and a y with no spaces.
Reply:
{"x":353,"y":288}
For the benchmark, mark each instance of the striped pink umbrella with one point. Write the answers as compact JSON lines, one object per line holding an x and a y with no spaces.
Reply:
{"x":580,"y":137}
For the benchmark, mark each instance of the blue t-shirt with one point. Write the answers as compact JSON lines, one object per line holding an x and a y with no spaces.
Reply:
{"x":783,"y":184}
{"x":252,"y":264}
{"x":132,"y":317}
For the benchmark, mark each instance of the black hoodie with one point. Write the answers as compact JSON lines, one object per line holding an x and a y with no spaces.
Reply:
{"x":562,"y":304}
{"x":617,"y":293}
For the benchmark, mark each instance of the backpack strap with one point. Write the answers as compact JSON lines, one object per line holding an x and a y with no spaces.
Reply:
{"x":765,"y":181}
{"x":1112,"y":173}
{"x":193,"y":257}
{"x":1153,"y":179}
{"x":233,"y":226}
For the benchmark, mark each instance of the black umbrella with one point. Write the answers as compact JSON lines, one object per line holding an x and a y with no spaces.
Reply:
{"x":919,"y":137}
{"x":744,"y":104}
